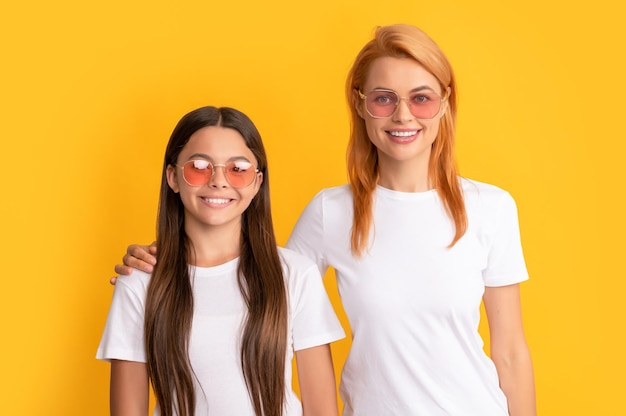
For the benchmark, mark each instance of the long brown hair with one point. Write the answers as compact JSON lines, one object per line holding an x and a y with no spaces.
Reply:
{"x":401,"y":41}
{"x":169,"y":304}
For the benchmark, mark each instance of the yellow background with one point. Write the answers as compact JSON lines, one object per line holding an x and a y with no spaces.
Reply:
{"x":89,"y":93}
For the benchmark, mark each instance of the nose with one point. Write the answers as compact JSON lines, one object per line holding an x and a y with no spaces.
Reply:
{"x":218,"y":180}
{"x":403,"y":111}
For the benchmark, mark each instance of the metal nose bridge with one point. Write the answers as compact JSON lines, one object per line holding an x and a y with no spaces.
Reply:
{"x":213,"y":170}
{"x":408,"y":105}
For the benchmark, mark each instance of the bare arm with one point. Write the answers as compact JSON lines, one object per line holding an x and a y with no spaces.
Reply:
{"x":136,"y":257}
{"x":509,"y":350}
{"x":317,"y":381}
{"x":130,"y":391}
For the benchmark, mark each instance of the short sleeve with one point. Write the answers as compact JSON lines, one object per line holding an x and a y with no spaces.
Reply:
{"x":307,"y":237}
{"x":123,"y":337}
{"x":314,"y":321}
{"x":506,"y":263}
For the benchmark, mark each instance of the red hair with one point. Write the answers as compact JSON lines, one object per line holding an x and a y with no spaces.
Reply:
{"x":406,"y":42}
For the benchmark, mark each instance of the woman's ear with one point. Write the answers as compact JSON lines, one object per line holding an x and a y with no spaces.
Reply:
{"x":445,"y":103}
{"x":358,"y":103}
{"x":172,"y":178}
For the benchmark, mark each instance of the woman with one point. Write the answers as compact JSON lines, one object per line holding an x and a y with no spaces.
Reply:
{"x":420,"y":250}
{"x":212,"y":326}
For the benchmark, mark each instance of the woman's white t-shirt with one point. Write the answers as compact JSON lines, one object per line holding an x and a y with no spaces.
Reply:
{"x":412,"y":302}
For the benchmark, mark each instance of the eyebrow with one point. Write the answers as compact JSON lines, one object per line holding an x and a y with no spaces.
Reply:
{"x":209,"y":158}
{"x":416,"y":89}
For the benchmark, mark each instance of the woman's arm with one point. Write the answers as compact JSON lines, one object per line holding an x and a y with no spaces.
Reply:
{"x":130,"y":391}
{"x":509,"y":350}
{"x":317,"y":381}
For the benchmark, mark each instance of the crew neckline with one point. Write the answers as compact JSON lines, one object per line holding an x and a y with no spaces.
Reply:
{"x":413,"y":196}
{"x":213,"y":270}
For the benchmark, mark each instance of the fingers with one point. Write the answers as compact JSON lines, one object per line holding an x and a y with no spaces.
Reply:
{"x":123,"y":269}
{"x":139,"y":257}
{"x":136,"y":257}
{"x":143,"y":253}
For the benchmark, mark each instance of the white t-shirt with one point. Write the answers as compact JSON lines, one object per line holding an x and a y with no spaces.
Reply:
{"x":413,"y":304}
{"x":219,"y":311}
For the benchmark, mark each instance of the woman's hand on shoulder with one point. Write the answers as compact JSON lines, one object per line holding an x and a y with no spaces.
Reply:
{"x":137,"y":257}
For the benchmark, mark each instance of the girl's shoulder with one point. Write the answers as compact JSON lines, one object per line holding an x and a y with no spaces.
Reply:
{"x":293,"y":261}
{"x":136,"y":281}
{"x":298,"y":269}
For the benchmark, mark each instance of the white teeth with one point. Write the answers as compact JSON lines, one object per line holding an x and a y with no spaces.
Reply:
{"x":216,"y":200}
{"x":403,"y":133}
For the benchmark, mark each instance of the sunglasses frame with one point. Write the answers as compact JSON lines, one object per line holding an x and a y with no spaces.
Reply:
{"x":213,"y":167}
{"x":363,"y":97}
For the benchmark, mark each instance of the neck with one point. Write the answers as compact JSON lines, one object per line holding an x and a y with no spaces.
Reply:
{"x":216,"y":245}
{"x":404,"y":176}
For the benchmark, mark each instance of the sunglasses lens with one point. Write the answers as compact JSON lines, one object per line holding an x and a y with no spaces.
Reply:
{"x":424,"y":105}
{"x":197,"y":172}
{"x":382,"y":103}
{"x":239,"y":174}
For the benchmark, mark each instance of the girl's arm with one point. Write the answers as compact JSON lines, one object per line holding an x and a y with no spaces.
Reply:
{"x":317,"y":381}
{"x":509,"y":350}
{"x":129,"y":388}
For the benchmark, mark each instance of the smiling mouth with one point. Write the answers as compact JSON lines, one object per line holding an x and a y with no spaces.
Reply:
{"x":403,"y":133}
{"x":218,"y":201}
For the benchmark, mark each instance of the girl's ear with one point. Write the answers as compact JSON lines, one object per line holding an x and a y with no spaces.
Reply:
{"x":258,"y":183}
{"x":172,"y":178}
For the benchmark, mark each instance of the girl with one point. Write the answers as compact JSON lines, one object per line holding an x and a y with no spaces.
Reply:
{"x":420,"y":250}
{"x":211,"y":327}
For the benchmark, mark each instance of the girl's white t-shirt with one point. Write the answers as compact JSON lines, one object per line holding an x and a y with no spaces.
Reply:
{"x":219,"y":311}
